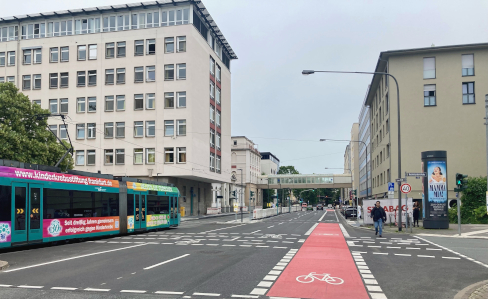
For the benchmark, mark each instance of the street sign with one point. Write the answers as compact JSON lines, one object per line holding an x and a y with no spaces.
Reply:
{"x":416,"y":174}
{"x":401,"y":180}
{"x":391,"y":187}
{"x":406,"y":188}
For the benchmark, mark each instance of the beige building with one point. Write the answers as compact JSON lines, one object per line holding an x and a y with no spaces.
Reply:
{"x":136,"y":83}
{"x":442,"y":91}
{"x":246,"y":161}
{"x":354,"y":165}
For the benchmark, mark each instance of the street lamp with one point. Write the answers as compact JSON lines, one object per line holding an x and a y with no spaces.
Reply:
{"x":242,"y":194}
{"x":309,"y":72}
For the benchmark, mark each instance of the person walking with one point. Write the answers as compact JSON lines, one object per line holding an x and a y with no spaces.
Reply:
{"x":379,"y":216}
{"x":416,"y":213}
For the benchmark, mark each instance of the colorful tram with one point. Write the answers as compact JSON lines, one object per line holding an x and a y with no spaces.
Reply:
{"x":41,"y":204}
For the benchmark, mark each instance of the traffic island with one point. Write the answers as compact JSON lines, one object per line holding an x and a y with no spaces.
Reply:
{"x":477,"y":290}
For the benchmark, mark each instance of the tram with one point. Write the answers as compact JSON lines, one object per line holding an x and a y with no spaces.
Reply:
{"x":42,"y":204}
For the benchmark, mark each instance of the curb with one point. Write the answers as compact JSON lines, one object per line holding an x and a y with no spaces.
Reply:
{"x":467,"y":291}
{"x":207,"y":217}
{"x":3,"y":265}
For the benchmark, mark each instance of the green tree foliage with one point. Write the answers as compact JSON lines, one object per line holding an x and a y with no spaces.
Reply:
{"x":24,"y":137}
{"x":473,"y":203}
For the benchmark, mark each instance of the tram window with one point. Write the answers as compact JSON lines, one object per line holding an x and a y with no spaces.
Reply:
{"x":130,"y":204}
{"x":111,"y":200}
{"x":153,"y":204}
{"x":5,"y":203}
{"x":82,"y":204}
{"x":164,"y":205}
{"x":20,"y":198}
{"x":35,"y":219}
{"x":57,"y":203}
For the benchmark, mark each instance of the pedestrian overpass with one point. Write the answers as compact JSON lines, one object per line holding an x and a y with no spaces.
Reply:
{"x":304,"y":181}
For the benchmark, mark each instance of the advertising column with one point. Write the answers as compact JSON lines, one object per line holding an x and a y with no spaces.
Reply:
{"x":435,"y":202}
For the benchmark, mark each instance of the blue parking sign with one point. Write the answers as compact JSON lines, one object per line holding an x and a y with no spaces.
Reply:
{"x":391,"y":186}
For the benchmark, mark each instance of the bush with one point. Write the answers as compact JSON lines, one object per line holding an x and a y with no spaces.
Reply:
{"x":473,"y":203}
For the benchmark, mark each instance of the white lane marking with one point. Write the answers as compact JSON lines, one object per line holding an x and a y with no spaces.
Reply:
{"x":378,"y":296}
{"x":323,"y":216}
{"x":433,"y":249}
{"x":165,"y":262}
{"x":30,"y":287}
{"x":344,"y":231}
{"x":278,"y":247}
{"x":413,"y":248}
{"x":311,"y":229}
{"x":370,"y":281}
{"x":258,"y":291}
{"x":265,"y":284}
{"x":450,"y":257}
{"x":206,"y":294}
{"x":222,"y":228}
{"x":62,"y":288}
{"x":72,"y":258}
{"x":255,"y":231}
{"x":5,"y":285}
{"x":96,"y":290}
{"x":402,"y":254}
{"x":133,"y":291}
{"x":256,"y":246}
{"x":384,"y":253}
{"x":393,"y":247}
{"x":270,"y":277}
{"x":374,"y":246}
{"x":431,"y":256}
{"x":244,"y":296}
{"x":301,"y":240}
{"x":373,"y":288}
{"x":169,"y":293}
{"x":245,"y":245}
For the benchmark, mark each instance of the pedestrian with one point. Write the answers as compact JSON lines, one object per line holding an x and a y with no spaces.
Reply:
{"x":379,"y":216}
{"x":416,"y":213}
{"x":359,"y":212}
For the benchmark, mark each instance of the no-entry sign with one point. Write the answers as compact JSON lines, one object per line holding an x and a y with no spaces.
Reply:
{"x":406,"y":188}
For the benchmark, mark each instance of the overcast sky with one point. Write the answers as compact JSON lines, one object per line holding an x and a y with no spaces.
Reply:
{"x":285,"y":112}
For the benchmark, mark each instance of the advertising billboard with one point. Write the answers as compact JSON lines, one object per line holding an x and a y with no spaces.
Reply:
{"x":74,"y":226}
{"x":437,"y":188}
{"x":389,"y":205}
{"x":157,"y":220}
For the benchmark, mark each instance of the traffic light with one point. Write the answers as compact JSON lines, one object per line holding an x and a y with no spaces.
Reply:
{"x":461,"y":181}
{"x":354,"y":192}
{"x":252,"y":194}
{"x":234,"y":193}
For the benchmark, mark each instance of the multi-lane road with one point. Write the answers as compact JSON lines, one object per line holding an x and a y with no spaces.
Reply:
{"x":297,"y":255}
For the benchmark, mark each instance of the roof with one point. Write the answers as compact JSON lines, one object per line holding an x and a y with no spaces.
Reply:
{"x":204,"y":13}
{"x":268,"y":153}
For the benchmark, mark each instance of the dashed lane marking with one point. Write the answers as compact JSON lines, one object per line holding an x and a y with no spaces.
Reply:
{"x":30,"y":287}
{"x":169,"y":293}
{"x":206,"y":294}
{"x":96,"y":290}
{"x":63,"y":288}
{"x":133,"y":291}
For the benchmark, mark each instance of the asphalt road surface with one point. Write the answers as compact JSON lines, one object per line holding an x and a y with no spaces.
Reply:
{"x":297,"y":255}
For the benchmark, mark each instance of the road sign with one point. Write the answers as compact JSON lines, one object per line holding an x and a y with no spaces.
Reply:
{"x":416,"y":174}
{"x":406,"y":188}
{"x":391,"y":187}
{"x":401,"y":180}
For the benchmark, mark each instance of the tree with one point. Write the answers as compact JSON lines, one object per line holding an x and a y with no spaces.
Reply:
{"x":473,"y":201}
{"x":24,"y":136}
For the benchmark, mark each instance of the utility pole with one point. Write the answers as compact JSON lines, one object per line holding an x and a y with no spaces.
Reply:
{"x":486,"y":125}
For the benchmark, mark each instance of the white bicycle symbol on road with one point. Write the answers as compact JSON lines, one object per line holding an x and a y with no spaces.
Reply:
{"x":322,"y":277}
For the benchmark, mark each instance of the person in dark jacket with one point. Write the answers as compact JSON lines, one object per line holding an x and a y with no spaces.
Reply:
{"x":379,"y":216}
{"x":416,"y":213}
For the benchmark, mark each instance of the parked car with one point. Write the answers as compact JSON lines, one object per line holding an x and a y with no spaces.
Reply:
{"x":350,"y":212}
{"x":330,"y":206}
{"x":320,"y":207}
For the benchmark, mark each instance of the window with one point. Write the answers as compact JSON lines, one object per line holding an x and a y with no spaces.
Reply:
{"x":109,"y":130}
{"x":151,"y":46}
{"x":181,"y":99}
{"x":212,"y":66}
{"x":120,"y":156}
{"x":37,"y":81}
{"x":53,"y":55}
{"x":2,"y":58}
{"x":181,"y":127}
{"x":27,"y":57}
{"x":212,"y":90}
{"x":11,"y":79}
{"x":90,"y":157}
{"x":217,"y":164}
{"x":92,"y":52}
{"x":120,"y":103}
{"x":134,"y":21}
{"x":120,"y":49}
{"x":150,"y":101}
{"x":169,"y":100}
{"x":217,"y":118}
{"x":212,"y":138}
{"x":169,"y":45}
{"x":138,"y":155}
{"x":150,"y":73}
{"x":37,"y":57}
{"x":80,"y":105}
{"x":92,"y":78}
{"x":217,"y":141}
{"x":138,"y":129}
{"x":138,"y":101}
{"x":217,"y":95}
{"x":81,"y":52}
{"x":429,"y":95}
{"x":181,"y":71}
{"x":80,"y":131}
{"x":92,"y":104}
{"x":109,"y":23}
{"x":169,"y":128}
{"x":212,"y":114}
{"x":53,"y":106}
{"x":109,"y":103}
{"x":169,"y":72}
{"x":63,"y":131}
{"x":109,"y":50}
{"x":169,"y":155}
{"x":181,"y":43}
{"x":120,"y":133}
{"x":121,"y":76}
{"x":54,"y":129}
{"x":150,"y":128}
{"x":181,"y":154}
{"x":80,"y":157}
{"x":139,"y":74}
{"x":150,"y":156}
{"x":26,"y":82}
{"x":64,"y":80}
{"x":138,"y":48}
{"x":429,"y":68}
{"x":64,"y":54}
{"x":218,"y":73}
{"x":92,"y":131}
{"x":468,"y":93}
{"x":212,"y":162}
{"x":109,"y":156}
{"x":468,"y":64}
{"x":2,"y":79}
{"x":81,"y":79}
{"x":63,"y":106}
{"x":109,"y":77}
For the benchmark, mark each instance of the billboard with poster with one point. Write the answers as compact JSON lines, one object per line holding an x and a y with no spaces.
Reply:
{"x":435,"y":190}
{"x":389,"y":205}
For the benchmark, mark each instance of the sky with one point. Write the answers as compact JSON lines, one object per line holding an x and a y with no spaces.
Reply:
{"x":287,"y":113}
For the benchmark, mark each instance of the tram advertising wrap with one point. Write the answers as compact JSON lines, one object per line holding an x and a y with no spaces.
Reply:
{"x":157,"y":219}
{"x":436,"y":184}
{"x":75,"y":226}
{"x":5,"y":231}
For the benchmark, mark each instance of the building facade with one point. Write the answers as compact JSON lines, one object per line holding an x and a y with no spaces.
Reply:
{"x":364,"y":153}
{"x":346,"y":195}
{"x":270,"y":165}
{"x":354,"y":164}
{"x":135,"y":83}
{"x":442,"y":90}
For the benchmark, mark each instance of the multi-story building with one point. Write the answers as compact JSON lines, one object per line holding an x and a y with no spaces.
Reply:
{"x":246,"y":168}
{"x":364,"y":154}
{"x":354,"y":164}
{"x":442,"y":90}
{"x":346,"y":195}
{"x":270,"y":164}
{"x":136,"y":83}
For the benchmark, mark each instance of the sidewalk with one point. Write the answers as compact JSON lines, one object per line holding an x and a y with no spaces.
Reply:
{"x":189,"y":218}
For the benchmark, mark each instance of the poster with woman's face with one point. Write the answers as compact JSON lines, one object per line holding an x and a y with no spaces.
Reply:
{"x":437,"y":188}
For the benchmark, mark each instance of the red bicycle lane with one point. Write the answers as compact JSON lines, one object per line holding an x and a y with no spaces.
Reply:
{"x":324,"y":252}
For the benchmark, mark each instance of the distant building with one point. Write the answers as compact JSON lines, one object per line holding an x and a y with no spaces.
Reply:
{"x":270,"y":164}
{"x":364,"y":154}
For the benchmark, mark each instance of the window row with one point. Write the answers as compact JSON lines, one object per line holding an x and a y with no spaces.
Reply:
{"x":214,"y":116}
{"x":7,"y":58}
{"x":467,"y":66}
{"x":118,"y":156}
{"x":215,"y":69}
{"x":215,"y":161}
{"x":215,"y":92}
{"x":215,"y":139}
{"x":10,"y":79}
{"x":468,"y":95}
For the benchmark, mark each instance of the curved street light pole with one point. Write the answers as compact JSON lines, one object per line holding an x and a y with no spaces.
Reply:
{"x":309,"y":72}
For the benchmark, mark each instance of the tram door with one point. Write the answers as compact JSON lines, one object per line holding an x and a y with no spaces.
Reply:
{"x":26,"y":212}
{"x":174,"y":210}
{"x":140,"y":211}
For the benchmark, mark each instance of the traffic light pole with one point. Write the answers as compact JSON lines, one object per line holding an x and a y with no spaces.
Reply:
{"x":459,"y":212}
